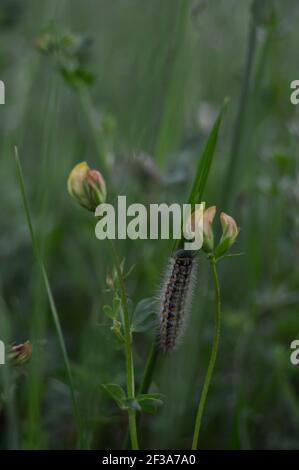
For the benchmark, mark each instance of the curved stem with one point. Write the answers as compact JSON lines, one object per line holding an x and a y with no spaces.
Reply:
{"x":128,"y":352}
{"x":208,"y":377}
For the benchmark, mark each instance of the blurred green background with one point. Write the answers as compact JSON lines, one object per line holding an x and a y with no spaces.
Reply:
{"x":133,"y":87}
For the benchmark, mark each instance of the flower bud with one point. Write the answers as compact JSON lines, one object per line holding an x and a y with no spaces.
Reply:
{"x":86,"y":186}
{"x":193,"y":228}
{"x":208,"y":235}
{"x":229,"y":227}
{"x":230,"y":232}
{"x":20,"y":353}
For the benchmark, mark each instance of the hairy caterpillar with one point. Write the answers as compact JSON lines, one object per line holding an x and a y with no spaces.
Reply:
{"x":176,"y":298}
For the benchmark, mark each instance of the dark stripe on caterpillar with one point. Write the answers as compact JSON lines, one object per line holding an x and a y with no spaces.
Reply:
{"x":175,"y":299}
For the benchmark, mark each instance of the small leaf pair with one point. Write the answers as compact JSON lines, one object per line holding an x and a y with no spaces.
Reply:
{"x":149,"y":402}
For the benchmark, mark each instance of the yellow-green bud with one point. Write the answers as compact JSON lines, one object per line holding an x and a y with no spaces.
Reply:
{"x":87,"y":186}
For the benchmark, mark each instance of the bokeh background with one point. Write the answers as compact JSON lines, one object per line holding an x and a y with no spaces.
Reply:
{"x":133,"y":87}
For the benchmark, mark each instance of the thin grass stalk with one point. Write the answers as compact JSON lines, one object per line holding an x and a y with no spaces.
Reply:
{"x":149,"y":369}
{"x":238,"y":130}
{"x":99,"y":142}
{"x":128,"y":351}
{"x":168,"y":133}
{"x":8,"y":391}
{"x":34,"y":431}
{"x":10,"y":405}
{"x":211,"y":366}
{"x":53,"y":308}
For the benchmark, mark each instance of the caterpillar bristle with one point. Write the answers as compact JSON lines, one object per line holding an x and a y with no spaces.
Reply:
{"x":175,"y":299}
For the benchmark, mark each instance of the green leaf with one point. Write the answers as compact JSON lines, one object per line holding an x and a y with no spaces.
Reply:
{"x":204,"y":163}
{"x":108,"y":311}
{"x":117,"y":393}
{"x":116,"y":305}
{"x":150,"y":402}
{"x":76,"y":76}
{"x":222,"y":248}
{"x":204,"y":166}
{"x":113,"y":311}
{"x":116,"y":328}
{"x":128,"y":273}
{"x":144,"y":315}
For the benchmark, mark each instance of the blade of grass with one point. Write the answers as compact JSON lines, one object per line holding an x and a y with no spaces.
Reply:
{"x":204,"y":166}
{"x":7,"y":384}
{"x":34,"y":437}
{"x":98,"y":138}
{"x":53,"y":308}
{"x":205,"y":162}
{"x":172,"y":108}
{"x":149,"y":367}
{"x":238,"y":131}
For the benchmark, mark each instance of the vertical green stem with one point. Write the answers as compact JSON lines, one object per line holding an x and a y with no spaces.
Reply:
{"x":149,"y":369}
{"x":128,"y":352}
{"x":146,"y":379}
{"x":99,"y":140}
{"x":208,"y":377}
{"x":8,"y":386}
{"x":233,"y":166}
{"x":169,"y":129}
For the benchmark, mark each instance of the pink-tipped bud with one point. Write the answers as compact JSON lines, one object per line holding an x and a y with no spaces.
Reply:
{"x":87,"y":186}
{"x":208,"y":234}
{"x":229,"y":227}
{"x":230,"y":232}
{"x":20,"y":353}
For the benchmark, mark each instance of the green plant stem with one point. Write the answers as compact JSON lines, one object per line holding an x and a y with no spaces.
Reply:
{"x":146,"y":379}
{"x":8,"y":385}
{"x":128,"y":352}
{"x":99,"y":141}
{"x":53,"y":308}
{"x":169,"y":128}
{"x":149,"y":369}
{"x":209,"y":374}
{"x":233,"y":166}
